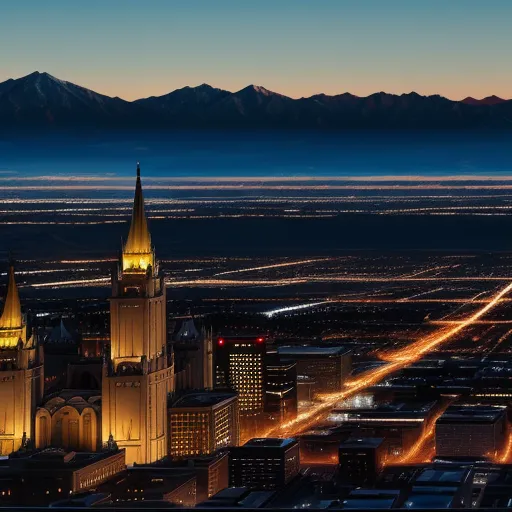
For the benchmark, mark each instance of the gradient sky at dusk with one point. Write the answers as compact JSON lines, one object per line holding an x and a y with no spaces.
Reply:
{"x":134,"y":48}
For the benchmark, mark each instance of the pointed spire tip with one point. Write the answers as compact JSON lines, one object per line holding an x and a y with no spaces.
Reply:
{"x":138,"y":170}
{"x":11,"y":314}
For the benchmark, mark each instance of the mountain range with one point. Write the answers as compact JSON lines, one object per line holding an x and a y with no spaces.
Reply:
{"x":40,"y":101}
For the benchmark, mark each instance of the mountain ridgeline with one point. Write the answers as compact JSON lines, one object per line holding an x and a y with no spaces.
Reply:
{"x":41,"y":101}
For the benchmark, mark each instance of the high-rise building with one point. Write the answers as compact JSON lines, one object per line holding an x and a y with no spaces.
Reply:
{"x":21,"y":373}
{"x":240,"y":365}
{"x":280,"y":390}
{"x":471,"y":431}
{"x":264,"y":463}
{"x":137,"y":374}
{"x":202,"y":423}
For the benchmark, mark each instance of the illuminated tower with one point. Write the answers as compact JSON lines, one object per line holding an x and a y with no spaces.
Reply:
{"x":137,"y":374}
{"x":21,"y":374}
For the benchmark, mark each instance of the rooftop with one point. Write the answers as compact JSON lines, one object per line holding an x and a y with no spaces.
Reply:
{"x":238,"y":497}
{"x":308,"y":350}
{"x":413,"y":411}
{"x":203,"y":399}
{"x":271,"y":442}
{"x":471,"y":414}
{"x":452,"y":476}
{"x":368,"y":503}
{"x":428,"y":501}
{"x":367,"y":442}
{"x":54,"y":458}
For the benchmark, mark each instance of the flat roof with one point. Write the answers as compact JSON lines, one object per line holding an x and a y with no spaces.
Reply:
{"x":362,"y":442}
{"x":395,"y":411}
{"x":471,"y":414}
{"x":311,"y":350}
{"x":451,"y":476}
{"x":203,"y":399}
{"x":271,"y":442}
{"x":368,"y":503}
{"x":54,"y":458}
{"x":428,"y":501}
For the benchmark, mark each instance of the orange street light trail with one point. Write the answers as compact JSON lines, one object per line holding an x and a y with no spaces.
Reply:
{"x":396,"y":361}
{"x":417,"y":451}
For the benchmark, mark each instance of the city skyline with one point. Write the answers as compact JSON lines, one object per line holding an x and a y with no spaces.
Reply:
{"x":135,"y":51}
{"x":256,"y":255}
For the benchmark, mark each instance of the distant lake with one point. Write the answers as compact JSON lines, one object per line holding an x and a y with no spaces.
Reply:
{"x":258,"y":154}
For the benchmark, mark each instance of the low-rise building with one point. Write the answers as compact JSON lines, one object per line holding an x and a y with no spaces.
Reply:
{"x":43,"y":476}
{"x":152,"y":484}
{"x":361,"y":460}
{"x":238,"y":497}
{"x":400,"y":423}
{"x":202,"y":423}
{"x":477,"y":431}
{"x":268,"y":463}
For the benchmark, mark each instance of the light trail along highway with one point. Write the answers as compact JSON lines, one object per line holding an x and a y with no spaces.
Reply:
{"x":395,"y":361}
{"x":418,"y":449}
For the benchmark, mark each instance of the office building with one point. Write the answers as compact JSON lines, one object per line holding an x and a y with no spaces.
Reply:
{"x":471,"y":431}
{"x":202,"y":423}
{"x":280,"y":390}
{"x":21,"y":373}
{"x":319,"y":369}
{"x":400,"y":423}
{"x":361,"y":459}
{"x":265,"y":464}
{"x":240,"y":365}
{"x":138,"y":375}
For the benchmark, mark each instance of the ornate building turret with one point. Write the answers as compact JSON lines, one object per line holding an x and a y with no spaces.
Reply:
{"x":137,"y":375}
{"x":21,"y":373}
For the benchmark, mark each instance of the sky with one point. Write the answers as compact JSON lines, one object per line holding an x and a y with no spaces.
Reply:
{"x":135,"y":48}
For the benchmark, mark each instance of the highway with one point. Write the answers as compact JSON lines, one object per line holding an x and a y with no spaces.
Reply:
{"x":395,"y":361}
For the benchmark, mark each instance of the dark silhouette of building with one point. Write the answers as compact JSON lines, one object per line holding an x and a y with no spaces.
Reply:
{"x":266,"y":464}
{"x":361,"y":459}
{"x":280,"y":390}
{"x":43,"y":476}
{"x":319,"y":369}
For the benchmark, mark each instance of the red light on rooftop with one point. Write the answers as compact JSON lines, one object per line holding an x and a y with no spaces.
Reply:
{"x":260,"y":340}
{"x":220,"y":341}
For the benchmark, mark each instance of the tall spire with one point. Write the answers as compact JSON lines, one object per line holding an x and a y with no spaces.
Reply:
{"x":11,"y":315}
{"x":137,"y":253}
